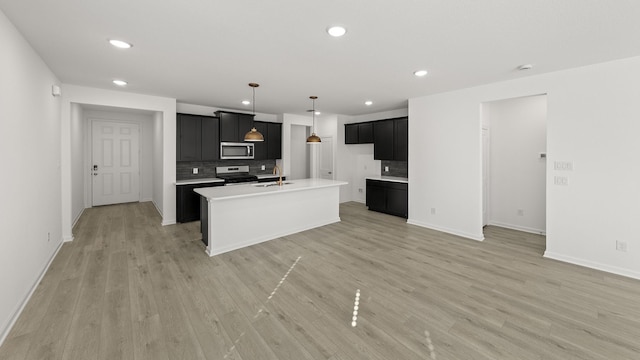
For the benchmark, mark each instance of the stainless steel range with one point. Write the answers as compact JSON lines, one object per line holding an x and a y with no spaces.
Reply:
{"x":235,"y":175}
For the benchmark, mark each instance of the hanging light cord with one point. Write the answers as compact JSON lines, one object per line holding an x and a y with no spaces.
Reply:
{"x":253,"y":102}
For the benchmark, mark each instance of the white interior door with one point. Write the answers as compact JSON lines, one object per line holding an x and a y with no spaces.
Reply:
{"x":325,"y":170}
{"x":116,"y":163}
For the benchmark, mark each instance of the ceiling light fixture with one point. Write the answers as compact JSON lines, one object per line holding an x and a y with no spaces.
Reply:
{"x":120,"y":82}
{"x":525,"y":67}
{"x":246,"y":102}
{"x":336,"y":31}
{"x":420,"y":73}
{"x":120,"y":44}
{"x":253,"y":135}
{"x":368,"y":102}
{"x":313,"y":139}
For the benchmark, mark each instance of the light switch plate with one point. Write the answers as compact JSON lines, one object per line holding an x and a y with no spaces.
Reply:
{"x":195,"y":171}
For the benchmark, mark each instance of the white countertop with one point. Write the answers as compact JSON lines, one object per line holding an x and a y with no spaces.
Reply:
{"x":389,"y":178}
{"x":198,"y":181}
{"x":248,"y":190}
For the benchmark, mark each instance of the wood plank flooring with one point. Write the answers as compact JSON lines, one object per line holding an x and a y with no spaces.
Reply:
{"x":128,"y":288}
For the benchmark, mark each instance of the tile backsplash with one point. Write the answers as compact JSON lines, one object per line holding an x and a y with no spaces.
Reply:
{"x":207,"y":169}
{"x":396,"y":168}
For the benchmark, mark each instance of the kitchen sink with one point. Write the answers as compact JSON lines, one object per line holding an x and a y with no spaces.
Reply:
{"x":272,"y":184}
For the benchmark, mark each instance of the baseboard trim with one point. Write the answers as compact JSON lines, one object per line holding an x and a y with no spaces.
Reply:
{"x":164,"y":222}
{"x":463,"y":234}
{"x":518,"y":228}
{"x":21,"y":306}
{"x":593,"y":265}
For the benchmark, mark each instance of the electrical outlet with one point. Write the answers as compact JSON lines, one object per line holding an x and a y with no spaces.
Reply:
{"x":360,"y":190}
{"x":621,"y":246}
{"x":386,"y":169}
{"x":263,"y":167}
{"x":195,"y":171}
{"x":433,"y":211}
{"x":520,"y":212}
{"x":48,"y":236}
{"x":561,"y":180}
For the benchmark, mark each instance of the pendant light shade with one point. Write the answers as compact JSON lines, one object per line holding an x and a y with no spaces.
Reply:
{"x":313,"y":139}
{"x":253,"y":135}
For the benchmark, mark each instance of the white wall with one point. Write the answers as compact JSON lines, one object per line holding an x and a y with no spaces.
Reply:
{"x":299,"y":168}
{"x":30,"y":157}
{"x":78,"y":162}
{"x":518,"y":131}
{"x":210,"y":110}
{"x":592,"y":122}
{"x":158,"y":150}
{"x":99,"y":97}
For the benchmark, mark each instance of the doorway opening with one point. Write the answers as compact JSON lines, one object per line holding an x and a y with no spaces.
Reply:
{"x":514,"y":141}
{"x":300,"y":154}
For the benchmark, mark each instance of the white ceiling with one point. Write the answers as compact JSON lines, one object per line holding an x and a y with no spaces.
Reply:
{"x":206,"y":51}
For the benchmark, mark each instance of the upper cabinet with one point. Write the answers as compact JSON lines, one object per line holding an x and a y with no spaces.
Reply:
{"x":390,"y":137}
{"x":233,"y":126}
{"x":401,"y":139}
{"x":383,"y":140}
{"x":271,"y":147}
{"x":197,"y":138}
{"x":359,"y":133}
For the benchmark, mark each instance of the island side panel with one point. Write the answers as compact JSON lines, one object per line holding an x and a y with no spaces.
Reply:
{"x":204,"y":220}
{"x":239,"y":222}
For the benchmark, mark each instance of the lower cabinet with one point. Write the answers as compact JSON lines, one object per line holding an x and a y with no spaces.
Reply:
{"x":188,"y":201}
{"x":388,"y":197}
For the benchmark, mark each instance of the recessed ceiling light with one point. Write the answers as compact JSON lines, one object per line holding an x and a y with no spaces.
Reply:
{"x":420,"y":73}
{"x":368,"y":102}
{"x":120,"y":82}
{"x":246,"y":102}
{"x":336,"y":31}
{"x":525,"y":67}
{"x":120,"y":44}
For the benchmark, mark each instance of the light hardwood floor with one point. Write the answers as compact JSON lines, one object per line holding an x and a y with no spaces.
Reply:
{"x":128,"y":288}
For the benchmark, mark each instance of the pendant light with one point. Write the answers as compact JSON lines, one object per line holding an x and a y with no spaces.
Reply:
{"x":313,"y":139}
{"x":253,"y":135}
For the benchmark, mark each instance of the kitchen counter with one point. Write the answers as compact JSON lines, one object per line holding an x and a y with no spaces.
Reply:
{"x":389,"y":178}
{"x":253,"y":190}
{"x":198,"y":181}
{"x":234,"y":217}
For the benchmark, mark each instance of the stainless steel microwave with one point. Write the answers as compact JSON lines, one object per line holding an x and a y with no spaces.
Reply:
{"x":230,"y":150}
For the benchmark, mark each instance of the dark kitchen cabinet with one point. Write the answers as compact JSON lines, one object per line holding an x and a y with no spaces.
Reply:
{"x":391,"y":139}
{"x":271,"y":147}
{"x":210,"y":139}
{"x":388,"y":197}
{"x":351,"y":133}
{"x":401,"y":139}
{"x":383,"y":139}
{"x":260,"y":151}
{"x":359,"y":133}
{"x":233,"y":126}
{"x":188,"y":201}
{"x":188,"y":137}
{"x":197,"y":138}
{"x":274,"y":141}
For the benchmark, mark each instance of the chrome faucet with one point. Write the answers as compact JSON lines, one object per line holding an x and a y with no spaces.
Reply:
{"x":277,"y":170}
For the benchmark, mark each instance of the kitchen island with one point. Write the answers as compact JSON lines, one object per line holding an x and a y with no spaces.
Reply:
{"x":237,"y":216}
